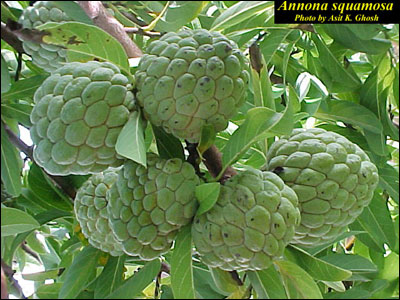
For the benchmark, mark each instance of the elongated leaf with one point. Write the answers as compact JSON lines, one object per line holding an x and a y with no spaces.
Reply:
{"x":15,"y":221}
{"x":351,"y":113}
{"x":365,"y":31}
{"x":377,"y":221}
{"x":350,"y":37}
{"x":389,"y":181}
{"x":299,"y":284}
{"x":207,"y":194}
{"x":136,"y":283}
{"x":74,"y":11}
{"x":48,"y":291}
{"x":24,"y":89}
{"x":130,"y":142}
{"x":342,"y":80}
{"x":181,"y":265}
{"x":204,"y":285}
{"x":77,"y":275}
{"x":41,"y":276}
{"x":317,"y":268}
{"x":270,"y":44}
{"x":110,"y":278}
{"x":258,"y":124}
{"x":5,"y":75}
{"x":178,"y":14}
{"x":168,"y":146}
{"x":240,"y":12}
{"x":82,"y":43}
{"x":267,"y":284}
{"x":225,"y":282}
{"x":354,"y":263}
{"x":18,"y":111}
{"x":10,"y":166}
{"x":43,"y":190}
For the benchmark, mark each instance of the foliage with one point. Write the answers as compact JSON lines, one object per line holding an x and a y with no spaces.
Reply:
{"x":339,"y":77}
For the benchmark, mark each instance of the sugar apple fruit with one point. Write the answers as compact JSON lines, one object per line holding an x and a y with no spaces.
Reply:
{"x":189,"y":79}
{"x":332,"y":177}
{"x":78,"y":114}
{"x":48,"y":57}
{"x":90,"y":208}
{"x":251,"y":223}
{"x":148,"y":206}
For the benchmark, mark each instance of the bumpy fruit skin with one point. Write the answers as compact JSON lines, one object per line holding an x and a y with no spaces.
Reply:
{"x":332,"y":177}
{"x":90,"y":207}
{"x":189,"y":79}
{"x":147,"y":207}
{"x":78,"y":114}
{"x":251,"y":223}
{"x":48,"y":57}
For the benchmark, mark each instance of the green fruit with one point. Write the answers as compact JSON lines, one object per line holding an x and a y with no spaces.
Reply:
{"x":90,"y":207}
{"x":251,"y":223}
{"x":332,"y":177}
{"x":189,"y":79}
{"x":148,"y":206}
{"x":78,"y":114}
{"x":48,"y":57}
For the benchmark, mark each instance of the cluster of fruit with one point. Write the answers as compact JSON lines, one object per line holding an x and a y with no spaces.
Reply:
{"x":314,"y":184}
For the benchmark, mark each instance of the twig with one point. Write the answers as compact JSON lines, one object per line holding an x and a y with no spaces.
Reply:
{"x":101,"y":18}
{"x":11,"y":38}
{"x":165,"y":267}
{"x":133,"y":18}
{"x":29,"y":251}
{"x":194,"y":158}
{"x":10,"y":275}
{"x":135,"y":30}
{"x":28,"y":151}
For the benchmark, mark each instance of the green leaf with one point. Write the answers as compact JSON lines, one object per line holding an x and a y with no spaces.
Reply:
{"x":23,"y":89}
{"x":240,"y":12}
{"x":316,"y":267}
{"x":350,"y":37}
{"x":41,"y":276}
{"x":270,"y":44}
{"x":110,"y":278}
{"x":138,"y":282}
{"x":130,"y":142}
{"x":83,"y":43}
{"x":342,"y":80}
{"x":259,"y":123}
{"x":181,"y":265}
{"x":77,"y":275}
{"x":19,"y":112}
{"x":178,"y":14}
{"x":225,"y":282}
{"x":15,"y":221}
{"x":365,"y":31}
{"x":207,"y":195}
{"x":204,"y":285}
{"x":377,"y":221}
{"x":354,"y":263}
{"x":207,"y":138}
{"x":267,"y":283}
{"x":10,"y":166}
{"x":5,"y":75}
{"x":74,"y":11}
{"x":299,"y":284}
{"x":46,"y":192}
{"x":349,"y":112}
{"x":48,"y":291}
{"x":168,"y":146}
{"x":389,"y":180}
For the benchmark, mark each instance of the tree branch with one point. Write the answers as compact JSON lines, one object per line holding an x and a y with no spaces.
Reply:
{"x":10,"y":275}
{"x":142,"y":32}
{"x":100,"y":17}
{"x":28,"y":151}
{"x":11,"y":38}
{"x":29,"y":251}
